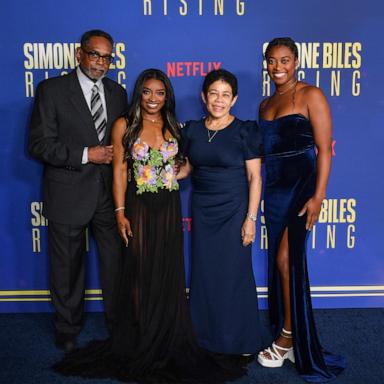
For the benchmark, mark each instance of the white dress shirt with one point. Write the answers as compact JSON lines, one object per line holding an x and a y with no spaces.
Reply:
{"x":86,"y":85}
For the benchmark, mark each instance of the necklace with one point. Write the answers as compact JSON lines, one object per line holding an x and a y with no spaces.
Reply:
{"x":288,"y":89}
{"x":211,"y":136}
{"x":154,"y":121}
{"x":222,"y":126}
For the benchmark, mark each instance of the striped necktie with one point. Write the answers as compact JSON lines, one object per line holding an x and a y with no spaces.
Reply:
{"x":98,"y":114}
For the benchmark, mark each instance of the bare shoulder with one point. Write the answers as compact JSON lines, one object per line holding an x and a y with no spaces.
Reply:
{"x":312,"y":93}
{"x":263,"y":105}
{"x":119,"y":126}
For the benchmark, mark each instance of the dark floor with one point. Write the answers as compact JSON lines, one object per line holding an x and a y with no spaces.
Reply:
{"x":27,"y":349}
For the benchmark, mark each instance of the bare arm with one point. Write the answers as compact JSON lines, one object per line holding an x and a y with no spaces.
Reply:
{"x":321,"y":120}
{"x":248,"y":230}
{"x":120,"y":174}
{"x":184,"y":170}
{"x":262,"y":107}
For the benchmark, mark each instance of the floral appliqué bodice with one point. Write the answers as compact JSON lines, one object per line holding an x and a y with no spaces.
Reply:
{"x":153,"y":168}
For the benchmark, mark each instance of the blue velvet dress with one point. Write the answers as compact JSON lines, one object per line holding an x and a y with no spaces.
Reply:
{"x":290,"y":166}
{"x":223,"y":298}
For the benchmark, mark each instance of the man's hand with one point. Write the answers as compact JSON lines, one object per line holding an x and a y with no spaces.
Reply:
{"x":101,"y":154}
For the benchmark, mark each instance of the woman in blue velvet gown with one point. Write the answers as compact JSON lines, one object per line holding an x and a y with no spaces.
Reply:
{"x":294,"y":120}
{"x":226,"y":184}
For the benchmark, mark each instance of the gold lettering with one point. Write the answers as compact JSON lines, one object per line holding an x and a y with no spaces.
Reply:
{"x":219,"y":7}
{"x":69,"y":56}
{"x":35,"y":211}
{"x":347,"y":55}
{"x":327,"y":55}
{"x":343,"y":209}
{"x":120,"y":78}
{"x":313,"y":237}
{"x":350,"y":237}
{"x":300,"y":75}
{"x":45,"y":56}
{"x":350,"y":207}
{"x":262,"y":217}
{"x":355,"y":83}
{"x":323,"y":212}
{"x":316,"y":55}
{"x":240,"y":7}
{"x":335,"y":83}
{"x":338,"y":53}
{"x":335,"y":218}
{"x":28,"y":64}
{"x":266,"y":84}
{"x":184,"y":8}
{"x":119,"y":49}
{"x":200,"y":7}
{"x":147,"y":7}
{"x":265,"y":45}
{"x":35,"y":56}
{"x":331,"y":236}
{"x":263,"y":237}
{"x":355,"y":51}
{"x":36,"y":243}
{"x":306,"y":55}
{"x":57,"y":56}
{"x":29,"y":91}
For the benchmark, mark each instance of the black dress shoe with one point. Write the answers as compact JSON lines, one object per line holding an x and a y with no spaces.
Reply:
{"x":66,"y":344}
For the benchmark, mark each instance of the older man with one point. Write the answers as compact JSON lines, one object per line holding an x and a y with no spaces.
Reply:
{"x":70,"y":133}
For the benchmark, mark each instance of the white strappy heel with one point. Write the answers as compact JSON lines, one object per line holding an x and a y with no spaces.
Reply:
{"x":275,"y":360}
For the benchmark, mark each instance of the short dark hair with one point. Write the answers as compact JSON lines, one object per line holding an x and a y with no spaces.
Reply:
{"x":282,"y":41}
{"x":223,"y":75}
{"x":94,"y":33}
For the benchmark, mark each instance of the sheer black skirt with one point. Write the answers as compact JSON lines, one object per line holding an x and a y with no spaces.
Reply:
{"x":152,"y":340}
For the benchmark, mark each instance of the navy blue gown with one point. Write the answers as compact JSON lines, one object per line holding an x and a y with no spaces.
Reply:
{"x":290,"y":166}
{"x":223,"y":298}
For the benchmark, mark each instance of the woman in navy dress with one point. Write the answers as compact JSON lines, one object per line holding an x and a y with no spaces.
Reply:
{"x":294,"y":120}
{"x":223,"y":152}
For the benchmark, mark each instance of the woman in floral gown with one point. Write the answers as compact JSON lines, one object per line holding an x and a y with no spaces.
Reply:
{"x":152,"y":340}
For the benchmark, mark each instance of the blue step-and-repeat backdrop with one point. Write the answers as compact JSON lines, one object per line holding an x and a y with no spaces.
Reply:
{"x":339,"y":52}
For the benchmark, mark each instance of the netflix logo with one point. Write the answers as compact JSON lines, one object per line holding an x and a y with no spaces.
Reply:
{"x":191,"y":68}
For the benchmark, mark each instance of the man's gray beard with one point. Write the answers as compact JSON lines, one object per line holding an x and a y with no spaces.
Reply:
{"x":88,"y":74}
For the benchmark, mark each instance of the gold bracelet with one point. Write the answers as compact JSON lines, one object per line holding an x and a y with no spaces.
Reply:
{"x":119,"y":209}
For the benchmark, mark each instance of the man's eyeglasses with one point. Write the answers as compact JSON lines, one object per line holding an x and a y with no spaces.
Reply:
{"x":95,"y":56}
